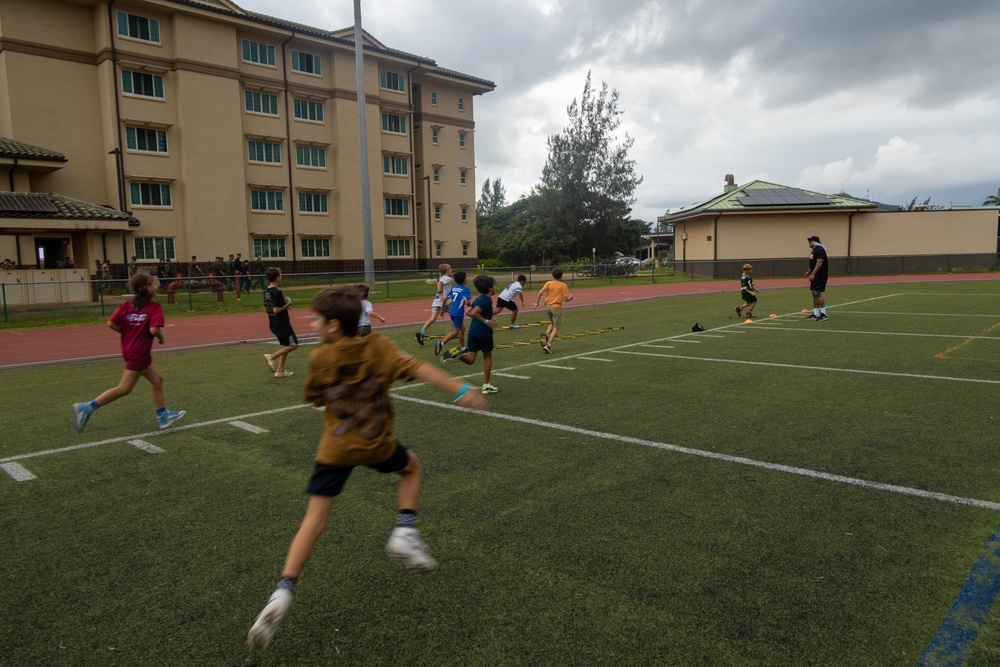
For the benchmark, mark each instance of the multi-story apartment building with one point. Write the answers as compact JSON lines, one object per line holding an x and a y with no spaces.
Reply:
{"x":218,"y":130}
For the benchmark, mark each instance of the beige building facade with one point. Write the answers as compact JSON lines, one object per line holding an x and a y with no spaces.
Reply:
{"x":761,"y":221}
{"x":221,"y":130}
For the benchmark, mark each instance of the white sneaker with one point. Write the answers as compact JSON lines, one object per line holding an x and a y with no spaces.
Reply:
{"x":405,"y":544}
{"x":263,"y":629}
{"x":489,"y":389}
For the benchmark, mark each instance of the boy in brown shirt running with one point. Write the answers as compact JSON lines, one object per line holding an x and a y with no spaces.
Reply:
{"x":350,"y":376}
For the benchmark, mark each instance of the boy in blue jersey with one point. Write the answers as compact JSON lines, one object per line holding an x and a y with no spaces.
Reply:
{"x":460,"y":297}
{"x":480,"y":331}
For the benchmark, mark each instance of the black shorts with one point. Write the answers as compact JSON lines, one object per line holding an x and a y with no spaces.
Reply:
{"x":479,"y":343}
{"x":290,"y":339}
{"x":509,"y":305}
{"x":748,"y":297}
{"x":818,"y":285}
{"x":329,"y":480}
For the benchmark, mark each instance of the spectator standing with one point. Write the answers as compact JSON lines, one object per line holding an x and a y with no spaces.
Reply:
{"x":817,"y":274}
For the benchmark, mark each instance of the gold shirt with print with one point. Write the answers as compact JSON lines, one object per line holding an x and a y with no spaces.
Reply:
{"x":351,"y":379}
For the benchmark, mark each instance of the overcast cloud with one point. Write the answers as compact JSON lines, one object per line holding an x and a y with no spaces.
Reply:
{"x":889,"y":99}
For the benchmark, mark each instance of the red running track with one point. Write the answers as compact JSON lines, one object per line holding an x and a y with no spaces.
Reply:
{"x":31,"y":347}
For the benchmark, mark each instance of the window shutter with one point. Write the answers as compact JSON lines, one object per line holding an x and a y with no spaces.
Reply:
{"x":270,"y":55}
{"x":161,"y":141}
{"x":165,"y":195}
{"x":316,"y":65}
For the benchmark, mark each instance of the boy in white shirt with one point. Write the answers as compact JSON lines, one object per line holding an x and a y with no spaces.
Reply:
{"x":439,"y":305}
{"x":506,"y":299}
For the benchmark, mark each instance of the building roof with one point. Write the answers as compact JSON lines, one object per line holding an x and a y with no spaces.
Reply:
{"x":52,"y":206}
{"x":19,"y":149}
{"x":343,"y":36}
{"x":759,"y":196}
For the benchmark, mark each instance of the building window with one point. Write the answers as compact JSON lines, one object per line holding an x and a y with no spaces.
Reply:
{"x":437,"y":212}
{"x":437,"y":174}
{"x":310,"y":156}
{"x":150,"y":194}
{"x":465,"y":214}
{"x":273,"y":248}
{"x":315,"y":247}
{"x":396,"y":166}
{"x":145,"y":139}
{"x":391,"y":81}
{"x":434,"y":136}
{"x":306,"y":63}
{"x":142,"y":84}
{"x":264,"y":151}
{"x":461,"y":104}
{"x":461,"y":139}
{"x":393,"y":123}
{"x":154,"y":248}
{"x":397,"y":206}
{"x":397,"y":247}
{"x":434,"y":99}
{"x":437,"y":249}
{"x":267,"y":200}
{"x":258,"y":53}
{"x":462,"y":178}
{"x":138,"y":27}
{"x":312,"y":202}
{"x":465,"y":250}
{"x":308,"y":110}
{"x":264,"y":103}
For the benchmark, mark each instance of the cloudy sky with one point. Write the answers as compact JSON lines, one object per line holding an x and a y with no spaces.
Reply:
{"x":887,"y":99}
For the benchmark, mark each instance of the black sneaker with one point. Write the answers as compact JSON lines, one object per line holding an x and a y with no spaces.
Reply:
{"x":420,"y":337}
{"x":739,"y":310}
{"x":822,"y":317}
{"x":812,"y":317}
{"x":438,"y":346}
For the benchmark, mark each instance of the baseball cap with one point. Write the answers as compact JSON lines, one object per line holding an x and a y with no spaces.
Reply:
{"x":813,"y":238}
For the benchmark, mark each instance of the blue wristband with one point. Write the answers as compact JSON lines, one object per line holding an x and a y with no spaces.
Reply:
{"x":461,"y":392}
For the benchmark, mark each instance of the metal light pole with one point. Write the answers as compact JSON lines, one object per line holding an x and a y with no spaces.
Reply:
{"x":366,"y":203}
{"x":430,"y":218}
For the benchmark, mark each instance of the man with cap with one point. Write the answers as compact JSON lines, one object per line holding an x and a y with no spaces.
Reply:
{"x":819,"y":268}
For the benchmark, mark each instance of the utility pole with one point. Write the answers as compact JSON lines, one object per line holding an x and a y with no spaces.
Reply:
{"x":366,"y":203}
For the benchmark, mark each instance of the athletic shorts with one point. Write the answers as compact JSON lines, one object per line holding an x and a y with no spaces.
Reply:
{"x":504,"y":303}
{"x":818,"y":286}
{"x":479,"y":343}
{"x":555,"y":315}
{"x":329,"y":480}
{"x":458,"y":321}
{"x":290,"y":339}
{"x":748,"y":297}
{"x":364,"y":330}
{"x":138,"y":361}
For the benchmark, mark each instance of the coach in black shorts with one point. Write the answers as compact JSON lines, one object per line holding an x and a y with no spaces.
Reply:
{"x":817,"y":273}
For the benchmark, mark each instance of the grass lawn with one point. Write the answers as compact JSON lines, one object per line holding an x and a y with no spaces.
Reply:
{"x":786,"y":492}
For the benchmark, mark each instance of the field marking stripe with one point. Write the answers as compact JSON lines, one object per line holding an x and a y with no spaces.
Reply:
{"x":960,"y":626}
{"x":511,"y":375}
{"x":248,"y":427}
{"x":610,"y":361}
{"x":810,"y":368}
{"x":804,"y":472}
{"x":894,"y":333}
{"x":126,"y":438}
{"x":145,"y":446}
{"x":561,"y":368}
{"x":925,"y":314}
{"x":944,"y":353}
{"x":17,"y":472}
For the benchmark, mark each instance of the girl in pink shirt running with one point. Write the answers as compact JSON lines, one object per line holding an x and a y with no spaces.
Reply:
{"x":138,"y":321}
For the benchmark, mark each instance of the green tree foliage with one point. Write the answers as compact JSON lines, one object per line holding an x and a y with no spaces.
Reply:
{"x":492,"y":199}
{"x":588,"y":182}
{"x":993,"y":200}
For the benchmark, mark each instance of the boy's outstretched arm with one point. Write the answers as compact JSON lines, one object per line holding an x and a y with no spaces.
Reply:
{"x":470,"y":396}
{"x":538,"y":298}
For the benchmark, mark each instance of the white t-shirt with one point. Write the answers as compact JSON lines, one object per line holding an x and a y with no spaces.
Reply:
{"x":366,"y":307}
{"x":511,"y":291}
{"x":445,"y":282}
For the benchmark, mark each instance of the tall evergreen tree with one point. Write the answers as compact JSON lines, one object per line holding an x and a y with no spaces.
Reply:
{"x":588,"y":182}
{"x":492,"y":199}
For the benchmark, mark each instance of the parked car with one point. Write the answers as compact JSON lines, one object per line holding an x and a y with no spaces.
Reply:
{"x":628,"y":261}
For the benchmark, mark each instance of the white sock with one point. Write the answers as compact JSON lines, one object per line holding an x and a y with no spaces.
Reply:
{"x":816,"y":312}
{"x":823,"y":310}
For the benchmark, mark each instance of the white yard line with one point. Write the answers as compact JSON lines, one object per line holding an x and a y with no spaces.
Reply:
{"x":805,"y":472}
{"x":147,"y":447}
{"x":248,"y":427}
{"x":17,"y":472}
{"x":561,"y":368}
